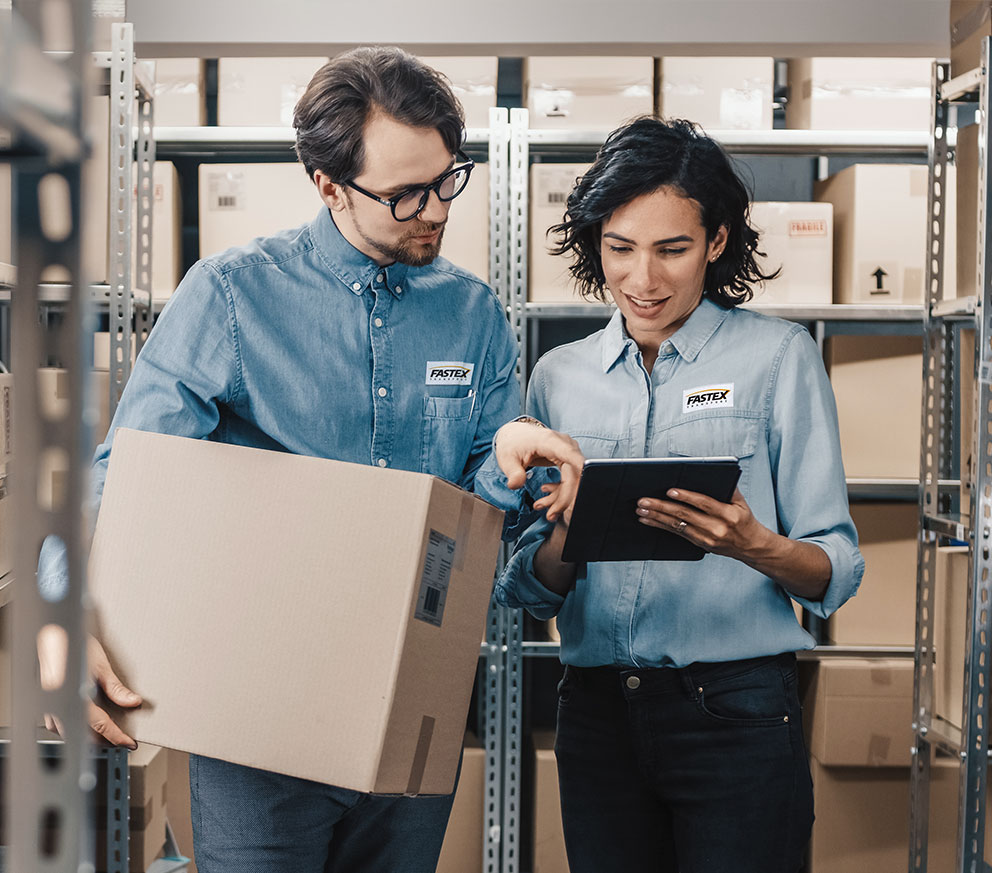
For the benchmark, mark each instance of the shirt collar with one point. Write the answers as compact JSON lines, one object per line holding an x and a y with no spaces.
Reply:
{"x":354,"y":269}
{"x":688,"y":340}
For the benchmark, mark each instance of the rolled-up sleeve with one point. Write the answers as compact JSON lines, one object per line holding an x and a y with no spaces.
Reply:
{"x":518,"y":587}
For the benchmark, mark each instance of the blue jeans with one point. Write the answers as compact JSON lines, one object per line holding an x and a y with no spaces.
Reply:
{"x":695,"y":770}
{"x":254,"y":821}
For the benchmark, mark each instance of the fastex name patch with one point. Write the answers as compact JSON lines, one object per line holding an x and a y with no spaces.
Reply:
{"x":708,"y":398}
{"x":449,"y":373}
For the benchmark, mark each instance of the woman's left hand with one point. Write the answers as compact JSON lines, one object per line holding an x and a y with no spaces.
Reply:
{"x":728,"y":529}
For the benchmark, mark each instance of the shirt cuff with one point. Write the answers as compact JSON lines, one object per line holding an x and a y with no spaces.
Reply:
{"x":518,"y":586}
{"x":847,"y":569}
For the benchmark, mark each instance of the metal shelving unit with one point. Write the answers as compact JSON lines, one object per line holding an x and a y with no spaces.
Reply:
{"x":969,"y":743}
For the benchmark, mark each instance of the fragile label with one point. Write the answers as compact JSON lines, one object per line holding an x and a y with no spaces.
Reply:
{"x":449,"y":373}
{"x":708,"y":398}
{"x":807,"y":227}
{"x":434,"y":580}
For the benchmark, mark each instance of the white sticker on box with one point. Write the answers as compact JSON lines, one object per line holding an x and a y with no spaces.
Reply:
{"x":711,"y":397}
{"x":225,"y":191}
{"x":435,"y":578}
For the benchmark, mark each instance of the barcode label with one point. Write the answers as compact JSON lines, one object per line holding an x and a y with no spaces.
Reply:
{"x":557,"y":196}
{"x":227,"y":201}
{"x":435,"y":578}
{"x":226,"y":191}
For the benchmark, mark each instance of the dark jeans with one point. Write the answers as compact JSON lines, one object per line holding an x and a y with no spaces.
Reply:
{"x":253,"y":821}
{"x":695,"y":770}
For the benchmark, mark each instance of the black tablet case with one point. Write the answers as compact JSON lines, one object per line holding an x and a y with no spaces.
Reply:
{"x":604,"y":525}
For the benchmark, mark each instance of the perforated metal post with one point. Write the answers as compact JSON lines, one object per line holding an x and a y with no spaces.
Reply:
{"x":145,"y":190}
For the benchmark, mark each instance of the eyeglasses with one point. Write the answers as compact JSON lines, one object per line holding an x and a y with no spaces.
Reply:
{"x":408,"y":204}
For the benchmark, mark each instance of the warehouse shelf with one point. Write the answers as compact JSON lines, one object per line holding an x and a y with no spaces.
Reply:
{"x":965,"y":85}
{"x":962,"y":307}
{"x":957,"y":527}
{"x":891,"y":489}
{"x":790,"y":311}
{"x":58,"y":293}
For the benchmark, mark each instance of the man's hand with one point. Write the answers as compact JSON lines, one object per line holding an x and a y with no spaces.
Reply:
{"x":521,"y":445}
{"x":53,"y":648}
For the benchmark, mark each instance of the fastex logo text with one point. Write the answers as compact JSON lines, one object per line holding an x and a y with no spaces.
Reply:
{"x":708,"y":398}
{"x":449,"y":373}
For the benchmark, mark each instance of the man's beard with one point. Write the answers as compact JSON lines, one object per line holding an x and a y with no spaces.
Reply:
{"x":406,"y":251}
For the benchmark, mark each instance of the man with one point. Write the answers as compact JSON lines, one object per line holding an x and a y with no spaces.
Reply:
{"x":347,"y":338}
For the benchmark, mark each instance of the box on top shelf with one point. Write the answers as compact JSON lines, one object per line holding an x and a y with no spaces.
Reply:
{"x":717,"y":93}
{"x":179,"y":92}
{"x":971,"y":22}
{"x":466,"y":235}
{"x":239,"y":202}
{"x":587,"y":93}
{"x":878,"y":384}
{"x":463,"y":839}
{"x":798,"y":239}
{"x":859,"y":94}
{"x":548,"y":278}
{"x":473,"y":79}
{"x":884,"y":611}
{"x":390,"y":632}
{"x":262,"y":92}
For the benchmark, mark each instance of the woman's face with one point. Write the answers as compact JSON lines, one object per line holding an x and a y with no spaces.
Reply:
{"x":654,"y":253}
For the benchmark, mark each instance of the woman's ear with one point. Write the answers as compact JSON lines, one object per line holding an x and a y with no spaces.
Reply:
{"x":717,"y":244}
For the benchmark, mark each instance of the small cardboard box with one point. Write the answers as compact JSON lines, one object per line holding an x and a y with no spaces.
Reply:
{"x":344,"y":652}
{"x":798,"y":238}
{"x":550,"y":185}
{"x":262,"y":91}
{"x":950,"y":632}
{"x":859,"y":94}
{"x":239,"y":202}
{"x":971,"y":22}
{"x":464,"y":838}
{"x":880,"y":232}
{"x":587,"y":93}
{"x":473,"y":81}
{"x":717,"y":93}
{"x":878,"y":383}
{"x":466,"y":235}
{"x":883,"y":613}
{"x":549,"y":837}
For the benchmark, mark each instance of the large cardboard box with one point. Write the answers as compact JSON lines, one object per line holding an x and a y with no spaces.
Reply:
{"x":473,"y":81}
{"x":859,"y":94}
{"x":971,"y":22}
{"x":880,"y":231}
{"x":858,"y":712}
{"x":950,"y":632}
{"x":587,"y":93}
{"x":717,"y":93}
{"x":262,"y":91}
{"x":548,"y":278}
{"x":878,"y":383}
{"x":549,"y":838}
{"x":239,"y":202}
{"x":179,"y":92}
{"x":798,"y":239}
{"x":465,"y":836}
{"x":341,"y":657}
{"x":466,"y":235}
{"x":883,"y":612}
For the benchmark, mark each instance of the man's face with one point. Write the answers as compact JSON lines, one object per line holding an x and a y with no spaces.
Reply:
{"x":397,"y":157}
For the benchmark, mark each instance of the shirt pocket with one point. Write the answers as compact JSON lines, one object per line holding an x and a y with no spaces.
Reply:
{"x":717,"y":436}
{"x":598,"y":447}
{"x":447,"y":436}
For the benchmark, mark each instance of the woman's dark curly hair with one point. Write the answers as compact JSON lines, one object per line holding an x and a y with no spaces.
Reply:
{"x":639,"y":158}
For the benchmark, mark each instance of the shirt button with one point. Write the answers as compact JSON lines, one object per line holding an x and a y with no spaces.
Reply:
{"x":633,"y":682}
{"x":379,"y":278}
{"x":381,"y":462}
{"x":399,"y":289}
{"x":378,"y":322}
{"x":382,"y":392}
{"x":356,"y":286}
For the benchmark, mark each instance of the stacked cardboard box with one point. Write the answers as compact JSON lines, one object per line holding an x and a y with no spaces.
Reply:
{"x":179,"y":92}
{"x":466,"y":235}
{"x":717,"y":93}
{"x":464,"y":838}
{"x":798,"y":239}
{"x":549,"y":838}
{"x":550,"y":184}
{"x":473,"y":80}
{"x":262,"y":92}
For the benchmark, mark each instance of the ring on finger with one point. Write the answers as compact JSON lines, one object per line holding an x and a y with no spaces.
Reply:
{"x":682,"y":525}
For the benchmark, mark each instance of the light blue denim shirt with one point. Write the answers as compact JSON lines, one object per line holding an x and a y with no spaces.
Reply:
{"x":778,"y":417}
{"x":299,"y":342}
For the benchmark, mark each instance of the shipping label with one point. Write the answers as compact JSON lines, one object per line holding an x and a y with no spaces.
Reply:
{"x":435,"y":578}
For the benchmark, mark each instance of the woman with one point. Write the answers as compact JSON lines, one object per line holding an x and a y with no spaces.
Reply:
{"x":679,"y":742}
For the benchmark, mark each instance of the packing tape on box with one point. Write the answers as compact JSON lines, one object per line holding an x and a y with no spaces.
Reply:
{"x":967,"y":24}
{"x":879,"y":747}
{"x":419,"y":764}
{"x":881,"y":676}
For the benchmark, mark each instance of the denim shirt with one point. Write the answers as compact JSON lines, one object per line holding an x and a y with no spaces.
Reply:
{"x":779,"y":418}
{"x":299,"y":342}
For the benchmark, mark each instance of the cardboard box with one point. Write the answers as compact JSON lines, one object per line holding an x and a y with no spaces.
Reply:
{"x":549,"y":838}
{"x":548,"y":278}
{"x":966,"y":186}
{"x":179,"y":92}
{"x":859,"y":94}
{"x":858,"y":712}
{"x":101,"y":350}
{"x":971,"y":22}
{"x":473,"y":80}
{"x":6,"y":215}
{"x":878,"y":383}
{"x":465,"y":837}
{"x":717,"y":93}
{"x":389,"y":635}
{"x":950,"y":632}
{"x":6,"y":419}
{"x":587,"y":93}
{"x":880,"y":232}
{"x":167,"y":232}
{"x":883,"y":612}
{"x":6,"y":534}
{"x":178,"y":804}
{"x":262,"y":92}
{"x":466,"y":235}
{"x":239,"y":202}
{"x":798,"y":238}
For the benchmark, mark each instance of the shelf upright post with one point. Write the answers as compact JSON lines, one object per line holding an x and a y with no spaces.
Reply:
{"x":48,"y":793}
{"x":145,"y":200}
{"x":493,"y":724}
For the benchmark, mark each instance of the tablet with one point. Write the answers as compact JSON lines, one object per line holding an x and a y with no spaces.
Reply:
{"x":604,"y":525}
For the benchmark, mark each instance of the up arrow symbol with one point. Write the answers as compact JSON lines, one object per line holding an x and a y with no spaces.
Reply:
{"x":878,"y":274}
